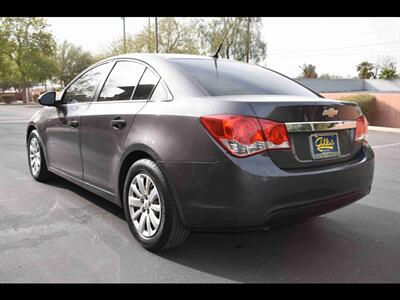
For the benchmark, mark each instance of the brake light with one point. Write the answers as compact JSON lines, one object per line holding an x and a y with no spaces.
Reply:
{"x":361,"y":129}
{"x":243,"y":136}
{"x":275,"y":134}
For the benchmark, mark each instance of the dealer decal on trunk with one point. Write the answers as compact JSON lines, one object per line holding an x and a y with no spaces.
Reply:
{"x":324,"y":145}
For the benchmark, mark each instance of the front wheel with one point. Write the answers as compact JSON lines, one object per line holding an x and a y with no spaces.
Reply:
{"x":36,"y":159}
{"x":150,"y":209}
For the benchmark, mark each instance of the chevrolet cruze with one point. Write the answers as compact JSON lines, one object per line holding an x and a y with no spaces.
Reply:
{"x":186,"y":142}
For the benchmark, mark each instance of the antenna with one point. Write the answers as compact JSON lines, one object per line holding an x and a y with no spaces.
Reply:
{"x":215,"y":56}
{"x":215,"y":65}
{"x":223,"y":40}
{"x":216,"y":53}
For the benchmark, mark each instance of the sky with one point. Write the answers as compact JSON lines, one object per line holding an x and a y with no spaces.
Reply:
{"x":333,"y":45}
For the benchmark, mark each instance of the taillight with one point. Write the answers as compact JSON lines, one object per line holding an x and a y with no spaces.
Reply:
{"x":361,"y":129}
{"x":275,"y":134}
{"x":244,"y":136}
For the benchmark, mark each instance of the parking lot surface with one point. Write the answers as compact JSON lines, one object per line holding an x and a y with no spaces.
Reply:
{"x":58,"y":232}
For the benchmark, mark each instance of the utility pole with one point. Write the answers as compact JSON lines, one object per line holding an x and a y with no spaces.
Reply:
{"x":148,"y":38}
{"x":123,"y":24}
{"x":248,"y":40}
{"x":156,"y":35}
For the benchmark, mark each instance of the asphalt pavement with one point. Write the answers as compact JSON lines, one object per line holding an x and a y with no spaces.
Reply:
{"x":58,"y":232}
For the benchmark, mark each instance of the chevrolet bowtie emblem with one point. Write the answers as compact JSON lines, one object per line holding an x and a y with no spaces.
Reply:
{"x":331,"y":112}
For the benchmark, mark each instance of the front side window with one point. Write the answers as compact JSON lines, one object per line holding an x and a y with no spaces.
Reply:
{"x":84,"y":88}
{"x":222,"y":77}
{"x":122,"y":81}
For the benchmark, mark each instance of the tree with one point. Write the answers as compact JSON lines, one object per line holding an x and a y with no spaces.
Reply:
{"x":308,"y":71}
{"x":388,"y":72}
{"x":173,"y":37}
{"x":177,"y":37}
{"x":240,"y":37}
{"x":116,"y":47}
{"x":386,"y":66}
{"x":365,"y":70}
{"x":29,"y":49}
{"x":71,"y":60}
{"x":381,"y":63}
{"x":376,"y":68}
{"x":329,"y":76}
{"x":8,"y":74}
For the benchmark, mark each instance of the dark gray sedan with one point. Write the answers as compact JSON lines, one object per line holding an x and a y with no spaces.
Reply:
{"x":186,"y":142}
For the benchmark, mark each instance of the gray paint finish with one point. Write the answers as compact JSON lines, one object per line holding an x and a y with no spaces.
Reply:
{"x":58,"y":232}
{"x":209,"y":185}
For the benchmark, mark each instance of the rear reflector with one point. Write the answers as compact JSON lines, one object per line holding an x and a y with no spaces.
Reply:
{"x":243,"y":136}
{"x":361,"y":129}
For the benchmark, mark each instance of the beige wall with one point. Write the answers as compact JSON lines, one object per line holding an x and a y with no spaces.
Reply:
{"x":386,"y":111}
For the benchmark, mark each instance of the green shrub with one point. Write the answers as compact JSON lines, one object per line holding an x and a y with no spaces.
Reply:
{"x":35,"y":97}
{"x":7,"y":98}
{"x":364,"y":100}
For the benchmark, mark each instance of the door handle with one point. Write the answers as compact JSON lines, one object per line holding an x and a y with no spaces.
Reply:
{"x":118,"y":123}
{"x":73,"y":124}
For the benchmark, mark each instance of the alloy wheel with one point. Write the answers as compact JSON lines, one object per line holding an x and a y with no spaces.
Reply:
{"x":144,"y":205}
{"x":34,"y":156}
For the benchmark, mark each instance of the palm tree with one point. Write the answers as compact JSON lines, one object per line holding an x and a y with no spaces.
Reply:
{"x":389,"y":72}
{"x":365,"y":69}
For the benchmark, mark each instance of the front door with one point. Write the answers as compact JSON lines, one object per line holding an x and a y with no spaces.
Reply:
{"x":63,"y":123}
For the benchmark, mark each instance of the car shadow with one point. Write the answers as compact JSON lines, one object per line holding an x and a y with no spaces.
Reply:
{"x":349,"y":245}
{"x":62,"y":183}
{"x":332,"y":248}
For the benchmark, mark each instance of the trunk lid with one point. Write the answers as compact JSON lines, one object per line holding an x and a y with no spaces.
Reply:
{"x":309,"y":121}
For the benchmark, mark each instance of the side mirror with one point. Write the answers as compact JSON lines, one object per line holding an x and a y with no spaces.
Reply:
{"x":48,"y":99}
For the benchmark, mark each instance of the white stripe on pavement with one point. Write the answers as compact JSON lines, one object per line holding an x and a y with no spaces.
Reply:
{"x":384,"y":129}
{"x":13,"y":121}
{"x":387,"y":145}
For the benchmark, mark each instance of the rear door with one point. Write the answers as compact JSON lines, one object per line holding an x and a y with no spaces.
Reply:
{"x":108,"y":120}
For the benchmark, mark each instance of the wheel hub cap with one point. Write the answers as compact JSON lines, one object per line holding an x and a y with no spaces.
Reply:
{"x":34,"y":156}
{"x":144,"y":205}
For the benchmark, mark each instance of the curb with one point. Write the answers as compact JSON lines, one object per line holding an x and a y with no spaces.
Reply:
{"x":384,"y":129}
{"x":20,"y":105}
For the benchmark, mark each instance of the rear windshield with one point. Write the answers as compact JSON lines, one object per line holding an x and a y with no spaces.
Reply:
{"x":221,"y":77}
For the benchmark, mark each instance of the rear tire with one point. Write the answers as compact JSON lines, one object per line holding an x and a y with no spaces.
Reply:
{"x":36,"y":160}
{"x":148,"y":199}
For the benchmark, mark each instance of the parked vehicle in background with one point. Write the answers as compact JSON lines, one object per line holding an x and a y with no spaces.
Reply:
{"x":185,"y":142}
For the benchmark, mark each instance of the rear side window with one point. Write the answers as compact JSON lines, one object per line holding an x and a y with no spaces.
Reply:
{"x":160,"y":93}
{"x":221,"y":77}
{"x":146,"y":85}
{"x":84,"y":88}
{"x":122,"y":81}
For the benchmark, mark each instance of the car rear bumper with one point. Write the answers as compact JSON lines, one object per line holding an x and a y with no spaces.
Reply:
{"x":245,"y":193}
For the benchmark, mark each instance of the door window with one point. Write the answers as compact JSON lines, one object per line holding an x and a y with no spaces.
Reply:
{"x":122,"y":81}
{"x":146,"y":85}
{"x":160,"y":93}
{"x":83,"y":89}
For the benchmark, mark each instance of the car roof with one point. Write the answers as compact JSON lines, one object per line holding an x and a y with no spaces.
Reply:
{"x":161,"y":55}
{"x":148,"y":57}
